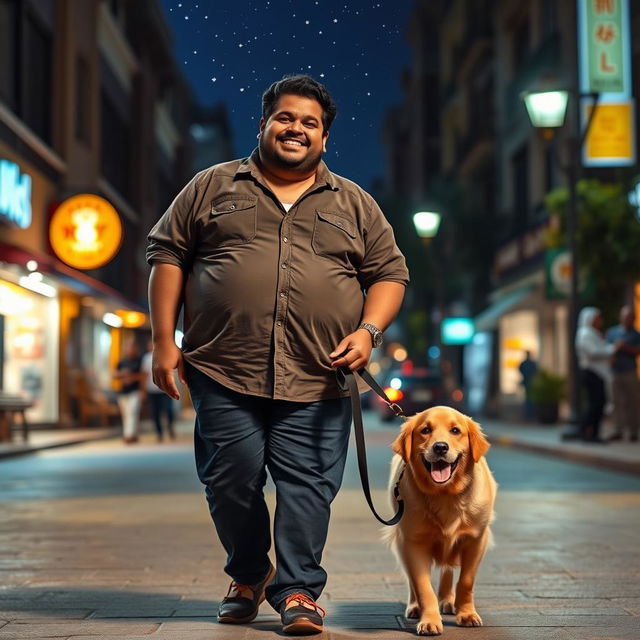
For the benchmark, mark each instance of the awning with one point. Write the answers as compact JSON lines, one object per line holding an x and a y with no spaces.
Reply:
{"x":75,"y":280}
{"x":488,"y":319}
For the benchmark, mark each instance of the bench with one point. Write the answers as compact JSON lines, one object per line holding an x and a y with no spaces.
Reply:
{"x":10,"y":406}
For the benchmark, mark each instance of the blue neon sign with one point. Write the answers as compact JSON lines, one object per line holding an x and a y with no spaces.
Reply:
{"x":15,"y":195}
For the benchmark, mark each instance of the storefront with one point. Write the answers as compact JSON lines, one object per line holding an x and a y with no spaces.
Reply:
{"x":57,"y":323}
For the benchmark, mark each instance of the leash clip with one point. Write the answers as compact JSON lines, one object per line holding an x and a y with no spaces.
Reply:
{"x":397,"y":409}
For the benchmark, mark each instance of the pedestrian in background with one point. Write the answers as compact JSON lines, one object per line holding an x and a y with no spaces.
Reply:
{"x":625,"y":385}
{"x":129,"y":375}
{"x":528,"y":369}
{"x":594,"y":356}
{"x":160,"y":404}
{"x":274,"y":254}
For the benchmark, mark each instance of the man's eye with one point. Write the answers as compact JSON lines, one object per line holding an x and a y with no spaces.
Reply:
{"x":310,"y":125}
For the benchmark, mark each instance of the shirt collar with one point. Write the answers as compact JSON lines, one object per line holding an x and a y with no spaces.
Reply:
{"x":251,"y":165}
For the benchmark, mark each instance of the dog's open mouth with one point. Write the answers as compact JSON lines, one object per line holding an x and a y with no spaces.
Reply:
{"x":441,"y":470}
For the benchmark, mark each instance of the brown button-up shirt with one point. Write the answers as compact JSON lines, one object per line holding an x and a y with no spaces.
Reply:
{"x":269,"y":293}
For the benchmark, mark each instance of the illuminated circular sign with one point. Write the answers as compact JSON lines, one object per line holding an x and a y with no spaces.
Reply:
{"x":85,"y":231}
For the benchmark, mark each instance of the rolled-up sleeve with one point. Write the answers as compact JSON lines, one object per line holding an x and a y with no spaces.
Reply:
{"x":172,"y":239}
{"x":383,"y":261}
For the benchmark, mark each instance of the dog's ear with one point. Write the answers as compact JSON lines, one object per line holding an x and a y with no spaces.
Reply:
{"x":402,"y":444}
{"x":478,"y":443}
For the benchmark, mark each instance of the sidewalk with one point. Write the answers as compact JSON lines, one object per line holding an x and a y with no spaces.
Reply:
{"x":546,"y":439}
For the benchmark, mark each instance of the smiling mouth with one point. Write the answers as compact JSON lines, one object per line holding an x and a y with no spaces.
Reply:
{"x":441,"y":470}
{"x":291,"y":142}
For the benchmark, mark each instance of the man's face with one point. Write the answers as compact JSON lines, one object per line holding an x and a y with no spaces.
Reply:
{"x":627,"y":317}
{"x":293,"y":138}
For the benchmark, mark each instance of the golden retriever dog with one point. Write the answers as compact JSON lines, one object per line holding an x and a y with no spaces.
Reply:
{"x":448,"y":494}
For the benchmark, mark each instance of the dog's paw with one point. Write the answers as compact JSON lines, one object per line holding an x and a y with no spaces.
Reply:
{"x":468,"y":619}
{"x":446,"y":605}
{"x":431,"y":626}
{"x":412,"y":611}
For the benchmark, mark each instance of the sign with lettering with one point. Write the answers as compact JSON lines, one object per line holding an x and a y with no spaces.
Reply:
{"x":611,"y":138}
{"x":85,"y":231}
{"x":15,"y":195}
{"x":604,"y":60}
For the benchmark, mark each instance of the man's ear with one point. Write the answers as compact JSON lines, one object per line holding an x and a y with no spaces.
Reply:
{"x":325,"y":137}
{"x":478,"y":442}
{"x":402,"y":444}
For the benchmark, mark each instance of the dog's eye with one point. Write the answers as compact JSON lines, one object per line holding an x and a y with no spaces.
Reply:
{"x":455,"y":431}
{"x":426,"y":430}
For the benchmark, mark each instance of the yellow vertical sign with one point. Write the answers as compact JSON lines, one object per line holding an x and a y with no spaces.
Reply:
{"x":610,"y":141}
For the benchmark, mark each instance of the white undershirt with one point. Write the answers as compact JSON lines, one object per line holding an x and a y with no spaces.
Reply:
{"x":287,"y":205}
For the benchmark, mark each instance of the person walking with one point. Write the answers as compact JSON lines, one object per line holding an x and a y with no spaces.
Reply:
{"x":160,"y":404}
{"x":289,"y":271}
{"x":528,"y":369}
{"x":128,"y":374}
{"x":594,"y":355}
{"x":625,"y":385}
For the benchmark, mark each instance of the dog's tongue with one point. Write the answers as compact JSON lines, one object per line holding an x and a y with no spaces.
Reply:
{"x":440,"y":471}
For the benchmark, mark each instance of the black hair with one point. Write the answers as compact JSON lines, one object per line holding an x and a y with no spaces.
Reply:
{"x":300,"y":85}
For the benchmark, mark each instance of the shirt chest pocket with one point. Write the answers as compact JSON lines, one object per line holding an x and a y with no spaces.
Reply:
{"x":232,"y":221}
{"x":334,"y":236}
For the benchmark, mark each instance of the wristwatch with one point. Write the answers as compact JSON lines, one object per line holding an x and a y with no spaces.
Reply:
{"x":376,"y":334}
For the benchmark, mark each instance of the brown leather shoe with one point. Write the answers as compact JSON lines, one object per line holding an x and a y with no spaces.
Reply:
{"x":298,"y":619}
{"x":242,"y":601}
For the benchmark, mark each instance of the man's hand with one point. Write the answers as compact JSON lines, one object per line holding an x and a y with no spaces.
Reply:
{"x":358,"y":348}
{"x":167,"y":357}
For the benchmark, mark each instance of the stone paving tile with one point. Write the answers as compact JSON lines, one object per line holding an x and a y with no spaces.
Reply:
{"x":55,"y":629}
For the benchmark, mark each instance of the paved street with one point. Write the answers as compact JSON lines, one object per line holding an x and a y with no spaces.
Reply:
{"x":103,"y":541}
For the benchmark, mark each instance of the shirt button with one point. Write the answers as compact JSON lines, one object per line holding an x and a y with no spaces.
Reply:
{"x":283,"y":294}
{"x":278,"y":324}
{"x":286,"y":239}
{"x":232,"y":206}
{"x":284,"y":265}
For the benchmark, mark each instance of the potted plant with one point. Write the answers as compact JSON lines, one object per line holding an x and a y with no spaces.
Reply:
{"x":547,"y":391}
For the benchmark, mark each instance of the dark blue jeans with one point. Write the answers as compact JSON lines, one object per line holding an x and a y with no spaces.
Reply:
{"x":304,"y":446}
{"x":161,"y":403}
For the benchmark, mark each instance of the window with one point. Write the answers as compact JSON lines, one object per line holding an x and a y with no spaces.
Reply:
{"x":83,"y":100}
{"x":521,"y":37}
{"x":9,"y":53}
{"x":37,"y":78}
{"x":520,"y":176}
{"x":115,"y":147}
{"x":549,"y":16}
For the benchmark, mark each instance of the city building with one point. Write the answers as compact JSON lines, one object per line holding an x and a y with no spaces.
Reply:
{"x":493,"y":172}
{"x":94,"y":144}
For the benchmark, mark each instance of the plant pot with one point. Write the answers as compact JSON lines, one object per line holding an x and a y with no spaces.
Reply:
{"x":547,"y":413}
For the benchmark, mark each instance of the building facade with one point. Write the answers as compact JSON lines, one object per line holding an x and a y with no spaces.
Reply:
{"x":493,"y":173}
{"x":91,"y":105}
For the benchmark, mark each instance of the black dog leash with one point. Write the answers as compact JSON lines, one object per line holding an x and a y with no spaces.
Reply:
{"x":346,"y":380}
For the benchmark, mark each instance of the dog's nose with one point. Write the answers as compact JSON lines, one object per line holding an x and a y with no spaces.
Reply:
{"x":440,"y":448}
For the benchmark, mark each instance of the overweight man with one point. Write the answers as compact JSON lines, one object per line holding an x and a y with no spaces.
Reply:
{"x":286,"y":271}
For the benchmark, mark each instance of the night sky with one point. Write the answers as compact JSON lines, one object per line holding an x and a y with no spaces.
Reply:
{"x":231,"y":51}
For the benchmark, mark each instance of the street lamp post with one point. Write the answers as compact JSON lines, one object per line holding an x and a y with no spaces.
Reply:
{"x":547,"y":110}
{"x":426,"y":224}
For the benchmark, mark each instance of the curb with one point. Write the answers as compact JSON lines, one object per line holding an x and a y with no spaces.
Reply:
{"x":582,"y":457}
{"x":28,"y":450}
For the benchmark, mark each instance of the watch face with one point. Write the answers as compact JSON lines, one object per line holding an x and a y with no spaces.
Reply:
{"x":377,"y":338}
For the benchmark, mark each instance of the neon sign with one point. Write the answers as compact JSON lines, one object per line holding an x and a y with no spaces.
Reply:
{"x":15,"y":195}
